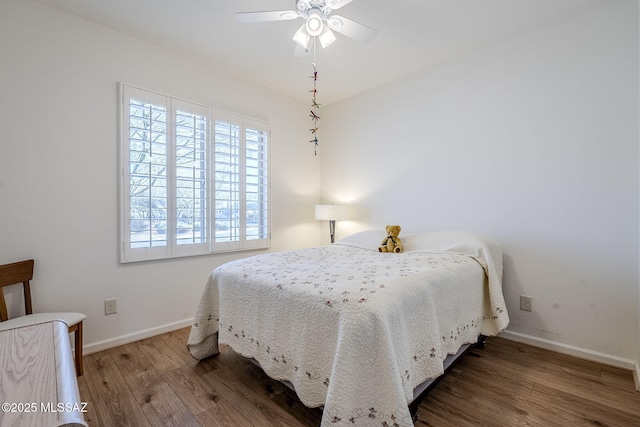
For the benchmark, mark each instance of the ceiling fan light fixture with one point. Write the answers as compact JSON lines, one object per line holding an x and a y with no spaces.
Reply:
{"x":301,"y":37}
{"x":318,"y":22}
{"x":314,"y":23}
{"x":326,"y":37}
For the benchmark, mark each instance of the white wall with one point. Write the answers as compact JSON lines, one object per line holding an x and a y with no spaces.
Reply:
{"x":533,"y":141}
{"x":59,"y":157}
{"x":636,"y":376}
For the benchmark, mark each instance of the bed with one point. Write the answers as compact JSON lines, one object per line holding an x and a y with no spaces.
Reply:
{"x":352,"y":330}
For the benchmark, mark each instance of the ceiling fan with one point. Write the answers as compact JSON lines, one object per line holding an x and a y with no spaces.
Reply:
{"x":319,"y":22}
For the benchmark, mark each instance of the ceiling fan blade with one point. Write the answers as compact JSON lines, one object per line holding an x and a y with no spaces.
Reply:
{"x":352,"y":29}
{"x":274,"y":15}
{"x":337,"y":4}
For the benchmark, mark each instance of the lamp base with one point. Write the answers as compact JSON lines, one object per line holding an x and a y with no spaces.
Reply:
{"x":332,"y":229}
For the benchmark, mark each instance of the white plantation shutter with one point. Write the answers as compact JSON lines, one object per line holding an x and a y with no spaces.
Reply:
{"x":241,"y":194}
{"x":190,"y":188}
{"x":226,"y":144}
{"x":257,"y":184}
{"x":145,"y":175}
{"x":192,"y":135}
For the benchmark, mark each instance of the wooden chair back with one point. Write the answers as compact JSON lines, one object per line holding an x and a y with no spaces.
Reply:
{"x":11,"y":274}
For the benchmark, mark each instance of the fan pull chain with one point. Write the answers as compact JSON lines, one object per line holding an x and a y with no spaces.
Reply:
{"x":314,"y":104}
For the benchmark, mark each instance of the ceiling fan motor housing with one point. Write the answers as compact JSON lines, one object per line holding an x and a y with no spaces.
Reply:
{"x":304,"y":7}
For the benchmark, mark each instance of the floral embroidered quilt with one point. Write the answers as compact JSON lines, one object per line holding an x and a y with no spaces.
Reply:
{"x":354,"y":330}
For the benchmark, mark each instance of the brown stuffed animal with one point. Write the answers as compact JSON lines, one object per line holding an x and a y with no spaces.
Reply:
{"x":392,"y":242}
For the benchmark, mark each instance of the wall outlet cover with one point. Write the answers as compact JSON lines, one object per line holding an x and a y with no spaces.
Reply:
{"x":110,"y":306}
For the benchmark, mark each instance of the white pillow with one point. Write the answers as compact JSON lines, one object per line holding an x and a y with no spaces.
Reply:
{"x":368,"y":239}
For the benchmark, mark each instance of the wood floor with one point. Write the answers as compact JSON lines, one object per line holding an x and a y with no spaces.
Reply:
{"x":155,"y":382}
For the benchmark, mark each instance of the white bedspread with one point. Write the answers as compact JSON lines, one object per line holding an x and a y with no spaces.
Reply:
{"x":355,"y":330}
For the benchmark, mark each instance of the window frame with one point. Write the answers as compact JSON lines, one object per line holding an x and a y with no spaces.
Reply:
{"x":173,"y":249}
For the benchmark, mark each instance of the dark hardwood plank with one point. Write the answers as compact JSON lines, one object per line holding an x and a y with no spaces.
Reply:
{"x":192,"y":390}
{"x":524,"y":385}
{"x":560,"y":372}
{"x":110,"y":396}
{"x":85,"y":396}
{"x":156,"y":394}
{"x":578,"y":411}
{"x":163,"y":357}
{"x":156,"y":382}
{"x":159,"y":402}
{"x":247,"y":401}
{"x":223,"y":415}
{"x":130,"y":360}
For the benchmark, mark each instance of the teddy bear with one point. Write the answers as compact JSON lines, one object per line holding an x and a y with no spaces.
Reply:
{"x":392,"y":242}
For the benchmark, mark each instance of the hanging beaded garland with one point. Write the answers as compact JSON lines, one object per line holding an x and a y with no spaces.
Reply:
{"x":314,"y":111}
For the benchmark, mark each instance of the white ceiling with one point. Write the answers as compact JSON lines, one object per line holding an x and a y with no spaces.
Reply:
{"x":412,"y":35}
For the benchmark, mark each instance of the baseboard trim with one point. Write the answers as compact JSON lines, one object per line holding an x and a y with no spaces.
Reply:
{"x":582,"y":353}
{"x":636,"y":376}
{"x":135,"y":336}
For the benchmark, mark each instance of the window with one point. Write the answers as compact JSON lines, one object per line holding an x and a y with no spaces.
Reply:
{"x":193,"y":181}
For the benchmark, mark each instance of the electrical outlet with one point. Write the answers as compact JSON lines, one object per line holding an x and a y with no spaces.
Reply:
{"x":110,"y":306}
{"x":526,"y":303}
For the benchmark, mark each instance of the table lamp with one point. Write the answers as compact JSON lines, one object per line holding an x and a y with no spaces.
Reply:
{"x":332,"y":213}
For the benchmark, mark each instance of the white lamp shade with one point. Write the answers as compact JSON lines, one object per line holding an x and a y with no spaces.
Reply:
{"x":332,"y":212}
